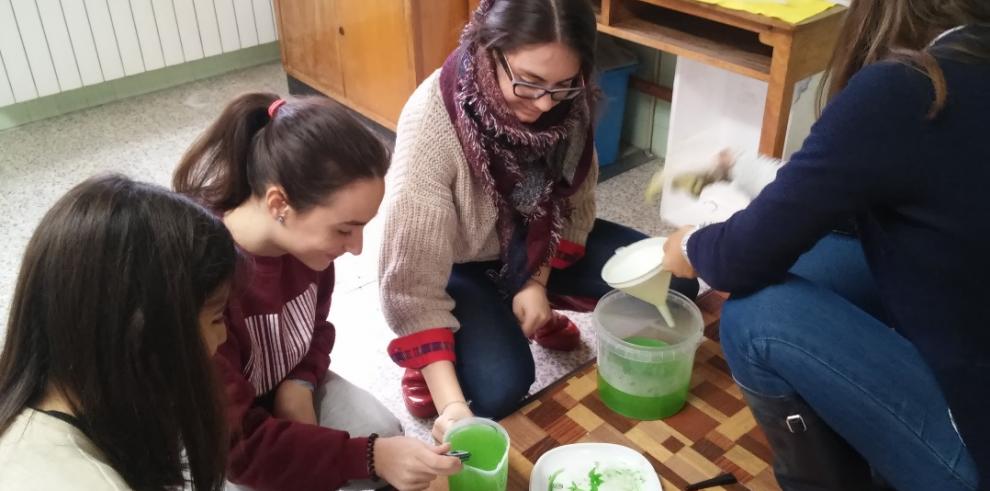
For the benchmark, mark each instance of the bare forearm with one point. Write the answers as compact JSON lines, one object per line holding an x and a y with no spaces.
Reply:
{"x":294,"y":402}
{"x":441,"y":378}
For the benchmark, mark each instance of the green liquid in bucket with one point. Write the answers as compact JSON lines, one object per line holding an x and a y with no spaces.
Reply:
{"x":648,"y":342}
{"x":639,"y":406}
{"x":481,"y":472}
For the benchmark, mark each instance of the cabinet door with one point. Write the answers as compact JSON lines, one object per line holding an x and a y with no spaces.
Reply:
{"x":376,"y":49}
{"x":437,"y":26}
{"x":309,"y":31}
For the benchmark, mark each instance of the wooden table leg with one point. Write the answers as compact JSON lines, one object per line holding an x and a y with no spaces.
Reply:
{"x":780,"y":95}
{"x":611,"y":12}
{"x":813,"y":43}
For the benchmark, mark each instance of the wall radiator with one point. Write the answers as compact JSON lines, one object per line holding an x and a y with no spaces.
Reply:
{"x":51,"y":46}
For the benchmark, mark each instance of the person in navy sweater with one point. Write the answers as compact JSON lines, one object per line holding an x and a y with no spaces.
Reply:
{"x":870,"y":352}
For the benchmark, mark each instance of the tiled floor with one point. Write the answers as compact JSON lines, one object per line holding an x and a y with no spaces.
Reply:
{"x":144,"y":137}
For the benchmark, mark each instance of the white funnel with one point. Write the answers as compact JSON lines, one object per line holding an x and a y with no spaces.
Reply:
{"x":638,"y":270}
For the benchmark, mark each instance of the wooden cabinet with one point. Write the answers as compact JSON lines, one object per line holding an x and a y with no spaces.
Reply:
{"x":309,"y":46}
{"x":368,"y":54}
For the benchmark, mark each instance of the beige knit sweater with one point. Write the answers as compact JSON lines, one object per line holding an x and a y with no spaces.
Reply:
{"x":438,"y":215}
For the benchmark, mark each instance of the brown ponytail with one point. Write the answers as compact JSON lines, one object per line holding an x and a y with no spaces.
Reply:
{"x":900,"y":31}
{"x":312,"y":147}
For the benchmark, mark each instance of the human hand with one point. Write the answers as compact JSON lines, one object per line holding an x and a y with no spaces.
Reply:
{"x":452,"y":413}
{"x":411,"y":465}
{"x":531,"y":307}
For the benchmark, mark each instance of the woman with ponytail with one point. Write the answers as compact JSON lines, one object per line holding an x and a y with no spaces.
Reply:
{"x":295,"y":181}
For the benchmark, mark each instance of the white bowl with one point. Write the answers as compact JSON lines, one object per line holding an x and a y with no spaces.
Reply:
{"x":621,"y":467}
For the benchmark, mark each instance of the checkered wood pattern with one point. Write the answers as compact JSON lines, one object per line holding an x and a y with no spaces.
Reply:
{"x":714,"y":433}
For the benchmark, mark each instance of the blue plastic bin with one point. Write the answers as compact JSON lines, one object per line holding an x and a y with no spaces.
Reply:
{"x":615,"y":66}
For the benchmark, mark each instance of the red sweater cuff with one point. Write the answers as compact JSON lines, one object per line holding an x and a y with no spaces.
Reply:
{"x":422,"y":348}
{"x":568,"y":253}
{"x":355,"y":465}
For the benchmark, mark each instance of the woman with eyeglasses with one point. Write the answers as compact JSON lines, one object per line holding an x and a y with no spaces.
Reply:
{"x":490,"y":214}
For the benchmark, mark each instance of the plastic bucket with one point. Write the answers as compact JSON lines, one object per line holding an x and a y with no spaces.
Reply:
{"x":608,"y":131}
{"x":615,"y":65}
{"x":644,"y":362}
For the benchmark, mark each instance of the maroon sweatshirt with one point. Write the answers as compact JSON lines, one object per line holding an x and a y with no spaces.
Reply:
{"x":277,"y":330}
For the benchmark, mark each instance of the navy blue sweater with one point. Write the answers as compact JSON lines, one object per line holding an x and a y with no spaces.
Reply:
{"x":920,"y":192}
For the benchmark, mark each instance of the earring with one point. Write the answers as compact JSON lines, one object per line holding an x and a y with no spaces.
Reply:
{"x":280,"y":219}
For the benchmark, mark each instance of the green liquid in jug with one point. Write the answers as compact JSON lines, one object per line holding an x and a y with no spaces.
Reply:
{"x":487,"y":446}
{"x":642,"y":407}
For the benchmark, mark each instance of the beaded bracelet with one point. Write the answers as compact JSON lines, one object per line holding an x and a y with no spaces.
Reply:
{"x":371,"y":457}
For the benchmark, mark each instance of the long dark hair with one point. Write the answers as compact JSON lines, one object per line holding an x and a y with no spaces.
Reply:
{"x":901,"y":30}
{"x":310,"y":146}
{"x":507,"y":25}
{"x":106,"y":311}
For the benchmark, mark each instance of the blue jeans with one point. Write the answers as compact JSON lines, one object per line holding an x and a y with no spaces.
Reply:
{"x":820,"y":334}
{"x":494,"y":363}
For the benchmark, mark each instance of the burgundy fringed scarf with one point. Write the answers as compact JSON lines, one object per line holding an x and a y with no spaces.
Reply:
{"x":528,"y":170}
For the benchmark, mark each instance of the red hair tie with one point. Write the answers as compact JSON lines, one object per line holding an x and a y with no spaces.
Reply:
{"x":273,"y":108}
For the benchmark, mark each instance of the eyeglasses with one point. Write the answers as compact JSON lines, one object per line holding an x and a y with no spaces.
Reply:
{"x":528,"y":90}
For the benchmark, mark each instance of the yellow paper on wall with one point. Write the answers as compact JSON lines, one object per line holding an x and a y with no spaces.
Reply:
{"x":790,"y":11}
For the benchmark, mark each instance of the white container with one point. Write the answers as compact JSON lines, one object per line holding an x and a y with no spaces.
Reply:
{"x":713,"y":109}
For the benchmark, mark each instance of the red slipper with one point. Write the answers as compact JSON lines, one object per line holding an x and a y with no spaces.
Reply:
{"x":559,"y":334}
{"x":416,"y":395}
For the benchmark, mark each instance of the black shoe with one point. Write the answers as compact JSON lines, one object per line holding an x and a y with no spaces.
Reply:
{"x":808,"y":454}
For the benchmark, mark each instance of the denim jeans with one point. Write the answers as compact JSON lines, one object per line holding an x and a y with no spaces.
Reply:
{"x":494,"y":363}
{"x":820,"y":334}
